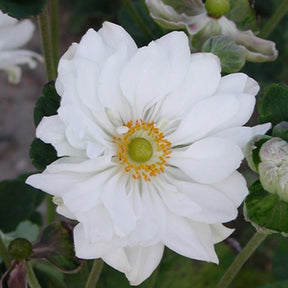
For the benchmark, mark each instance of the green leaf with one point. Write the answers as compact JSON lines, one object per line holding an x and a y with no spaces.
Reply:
{"x":281,"y":284}
{"x":17,"y":203}
{"x":273,"y":104}
{"x":232,"y":56}
{"x":42,"y":154}
{"x":47,"y":104}
{"x":266,"y":210}
{"x":22,"y":9}
{"x":243,"y":15}
{"x":281,"y":130}
{"x":56,"y":245}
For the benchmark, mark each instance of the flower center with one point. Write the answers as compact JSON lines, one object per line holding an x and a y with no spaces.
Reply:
{"x":142,"y":149}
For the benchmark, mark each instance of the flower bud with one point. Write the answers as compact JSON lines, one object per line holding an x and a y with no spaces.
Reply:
{"x":273,"y":169}
{"x":217,"y":8}
{"x":20,"y":249}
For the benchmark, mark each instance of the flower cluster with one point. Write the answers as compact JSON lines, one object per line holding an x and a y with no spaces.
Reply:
{"x":13,"y":35}
{"x":150,"y":139}
{"x":203,"y":21}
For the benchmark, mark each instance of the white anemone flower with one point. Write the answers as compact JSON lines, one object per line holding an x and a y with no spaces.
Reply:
{"x":13,"y":35}
{"x":150,"y":140}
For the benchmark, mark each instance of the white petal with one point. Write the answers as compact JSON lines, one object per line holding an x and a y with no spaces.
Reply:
{"x":238,"y":83}
{"x":97,"y":224}
{"x":220,"y":232}
{"x":234,"y":187}
{"x":155,"y":70}
{"x":204,"y":117}
{"x":190,"y":239}
{"x":215,"y":206}
{"x":117,"y":258}
{"x":143,"y":261}
{"x":208,"y":160}
{"x":119,"y":204}
{"x":204,"y":68}
{"x":84,"y":249}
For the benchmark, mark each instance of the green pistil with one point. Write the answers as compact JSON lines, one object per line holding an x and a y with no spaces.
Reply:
{"x":140,"y":150}
{"x":217,"y":8}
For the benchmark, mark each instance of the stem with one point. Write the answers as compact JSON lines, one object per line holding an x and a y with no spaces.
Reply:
{"x":32,"y":280}
{"x":137,"y":18}
{"x":54,"y":13}
{"x":46,"y":45}
{"x":94,"y":273}
{"x":280,"y":12}
{"x":241,"y":259}
{"x":5,"y":254}
{"x":51,"y":214}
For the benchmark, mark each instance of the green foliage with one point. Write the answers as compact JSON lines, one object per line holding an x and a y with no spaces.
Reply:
{"x":243,"y":15}
{"x":18,"y":201}
{"x":127,"y":21}
{"x":56,"y":245}
{"x":266,"y":210}
{"x":273,"y":104}
{"x":232,"y":56}
{"x":22,"y":9}
{"x":42,"y":154}
{"x":47,"y":104}
{"x":281,"y":130}
{"x":282,"y":284}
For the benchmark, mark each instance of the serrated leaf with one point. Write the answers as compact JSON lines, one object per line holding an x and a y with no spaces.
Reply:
{"x":42,"y":154}
{"x":22,"y":9}
{"x":243,"y":15}
{"x":281,"y":130}
{"x":231,"y":55}
{"x":47,"y":104}
{"x":266,"y":210}
{"x":273,"y":104}
{"x":56,"y":245}
{"x":17,"y":203}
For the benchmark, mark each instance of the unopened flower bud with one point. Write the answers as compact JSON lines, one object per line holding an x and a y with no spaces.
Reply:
{"x":273,"y":169}
{"x":217,"y":8}
{"x":20,"y":249}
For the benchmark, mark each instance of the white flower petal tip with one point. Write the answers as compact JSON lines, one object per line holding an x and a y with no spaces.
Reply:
{"x":13,"y":35}
{"x":148,"y":147}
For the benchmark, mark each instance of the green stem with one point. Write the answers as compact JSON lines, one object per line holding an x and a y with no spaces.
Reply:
{"x":54,"y":20}
{"x":94,"y":273}
{"x":32,"y":280}
{"x":46,"y":44}
{"x":51,"y":213}
{"x":4,"y":254}
{"x":241,"y":259}
{"x":137,"y":18}
{"x":279,"y":13}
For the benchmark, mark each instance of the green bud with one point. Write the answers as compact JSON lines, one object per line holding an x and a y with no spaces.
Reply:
{"x":217,"y":8}
{"x":20,"y":249}
{"x":140,"y":150}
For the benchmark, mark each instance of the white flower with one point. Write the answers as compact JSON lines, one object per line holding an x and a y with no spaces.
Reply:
{"x":150,"y":141}
{"x":192,"y":15}
{"x":13,"y":35}
{"x":273,"y":168}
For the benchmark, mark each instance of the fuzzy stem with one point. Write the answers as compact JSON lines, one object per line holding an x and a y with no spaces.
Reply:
{"x":279,"y":13}
{"x":46,"y":44}
{"x":94,"y":273}
{"x":32,"y":280}
{"x":54,"y":20}
{"x":4,"y":254}
{"x":51,"y":213}
{"x":241,"y":259}
{"x":137,"y":18}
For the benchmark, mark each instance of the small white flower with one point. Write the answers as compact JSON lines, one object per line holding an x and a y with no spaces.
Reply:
{"x":273,"y":168}
{"x":13,"y":35}
{"x":193,"y":16}
{"x":150,"y":141}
